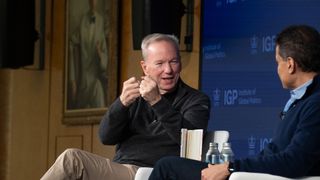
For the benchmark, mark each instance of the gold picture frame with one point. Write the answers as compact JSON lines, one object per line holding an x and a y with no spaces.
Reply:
{"x":91,"y":61}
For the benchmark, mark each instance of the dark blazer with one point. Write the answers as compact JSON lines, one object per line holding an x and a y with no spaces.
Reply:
{"x":295,"y":147}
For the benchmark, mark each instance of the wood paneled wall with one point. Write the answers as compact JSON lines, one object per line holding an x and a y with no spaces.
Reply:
{"x":31,"y":101}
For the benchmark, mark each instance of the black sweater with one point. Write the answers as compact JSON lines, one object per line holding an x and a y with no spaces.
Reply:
{"x":143,"y":133}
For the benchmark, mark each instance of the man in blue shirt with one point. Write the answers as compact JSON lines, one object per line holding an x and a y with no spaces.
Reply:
{"x":295,"y":148}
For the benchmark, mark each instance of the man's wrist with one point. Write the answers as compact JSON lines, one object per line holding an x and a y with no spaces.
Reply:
{"x":155,"y":101}
{"x":231,"y":168}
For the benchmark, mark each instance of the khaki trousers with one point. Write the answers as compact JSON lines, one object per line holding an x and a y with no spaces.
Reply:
{"x":75,"y":164}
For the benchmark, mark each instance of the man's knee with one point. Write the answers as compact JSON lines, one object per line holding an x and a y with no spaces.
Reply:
{"x":71,"y":157}
{"x":170,"y":161}
{"x":165,"y":168}
{"x":70,"y":152}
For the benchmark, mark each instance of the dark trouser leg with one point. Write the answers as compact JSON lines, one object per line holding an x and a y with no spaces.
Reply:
{"x":176,"y":168}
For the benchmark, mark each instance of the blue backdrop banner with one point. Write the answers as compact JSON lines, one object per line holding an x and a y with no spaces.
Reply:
{"x":238,"y":68}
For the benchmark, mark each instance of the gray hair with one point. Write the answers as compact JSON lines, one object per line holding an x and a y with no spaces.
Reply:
{"x":156,"y":37}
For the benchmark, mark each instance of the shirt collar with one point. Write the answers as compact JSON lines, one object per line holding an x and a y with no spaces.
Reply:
{"x":300,"y":91}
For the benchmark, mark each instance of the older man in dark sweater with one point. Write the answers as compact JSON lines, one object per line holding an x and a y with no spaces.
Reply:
{"x":144,"y":122}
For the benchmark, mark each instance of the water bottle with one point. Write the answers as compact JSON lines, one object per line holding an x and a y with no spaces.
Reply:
{"x":209,"y":153}
{"x":212,"y":155}
{"x":227,"y":153}
{"x":215,"y":156}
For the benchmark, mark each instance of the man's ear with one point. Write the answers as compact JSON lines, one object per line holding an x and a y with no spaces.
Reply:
{"x":291,"y":64}
{"x":143,"y":66}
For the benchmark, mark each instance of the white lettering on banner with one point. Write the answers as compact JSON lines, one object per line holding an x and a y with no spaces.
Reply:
{"x":239,"y":97}
{"x":254,"y":141}
{"x":230,"y":97}
{"x":212,"y":47}
{"x":268,"y":43}
{"x":264,"y":142}
{"x":215,"y":55}
{"x":246,"y":101}
{"x":254,"y":44}
{"x":243,"y":101}
{"x":213,"y":51}
{"x":216,"y":97}
{"x":247,"y":92}
{"x":251,"y":146}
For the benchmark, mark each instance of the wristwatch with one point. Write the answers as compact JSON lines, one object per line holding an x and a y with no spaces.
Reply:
{"x":231,"y":167}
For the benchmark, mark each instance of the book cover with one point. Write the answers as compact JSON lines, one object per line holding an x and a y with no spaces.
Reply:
{"x":191,"y":144}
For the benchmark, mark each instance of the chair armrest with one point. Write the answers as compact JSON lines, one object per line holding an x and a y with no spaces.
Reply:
{"x":143,"y":173}
{"x":255,"y":176}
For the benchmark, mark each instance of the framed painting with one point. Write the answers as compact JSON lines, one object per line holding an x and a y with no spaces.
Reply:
{"x":91,"y":68}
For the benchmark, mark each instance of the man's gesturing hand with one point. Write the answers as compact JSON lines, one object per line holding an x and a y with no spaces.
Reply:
{"x":130,"y":91}
{"x":149,"y":90}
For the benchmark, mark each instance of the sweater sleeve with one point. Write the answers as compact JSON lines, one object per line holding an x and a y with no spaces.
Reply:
{"x":114,"y":125}
{"x":299,"y":157}
{"x":193,"y":115}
